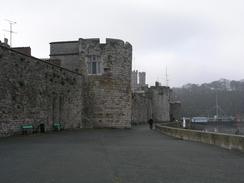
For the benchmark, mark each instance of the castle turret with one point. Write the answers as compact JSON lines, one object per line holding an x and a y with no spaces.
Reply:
{"x":107,"y":69}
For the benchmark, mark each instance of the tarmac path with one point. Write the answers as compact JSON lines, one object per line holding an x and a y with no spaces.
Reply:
{"x":116,"y":156}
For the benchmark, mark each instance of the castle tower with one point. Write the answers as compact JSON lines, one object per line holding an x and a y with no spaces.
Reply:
{"x":134,"y":80}
{"x":142,"y":79}
{"x":107,"y":69}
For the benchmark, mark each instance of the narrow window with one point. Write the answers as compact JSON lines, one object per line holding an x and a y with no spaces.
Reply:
{"x":94,"y":67}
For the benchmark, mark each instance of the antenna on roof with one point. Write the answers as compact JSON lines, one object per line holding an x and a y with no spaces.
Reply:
{"x":166,"y":77}
{"x":10,"y":30}
{"x":134,"y":62}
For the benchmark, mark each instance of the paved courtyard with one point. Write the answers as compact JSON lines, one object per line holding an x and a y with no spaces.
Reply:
{"x":116,"y":156}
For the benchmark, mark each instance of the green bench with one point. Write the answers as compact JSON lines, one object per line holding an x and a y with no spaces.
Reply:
{"x":27,"y":129}
{"x":58,"y":126}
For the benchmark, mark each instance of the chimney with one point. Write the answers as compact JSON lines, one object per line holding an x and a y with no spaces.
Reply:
{"x":24,"y":50}
{"x":6,"y":41}
{"x":157,"y":84}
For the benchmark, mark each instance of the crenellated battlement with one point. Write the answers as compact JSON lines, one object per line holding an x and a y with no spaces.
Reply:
{"x":62,"y":48}
{"x":116,"y":43}
{"x":95,"y":41}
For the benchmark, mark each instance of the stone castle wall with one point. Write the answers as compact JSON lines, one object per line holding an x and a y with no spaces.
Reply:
{"x":160,"y":103}
{"x":67,"y":53}
{"x":141,"y":108}
{"x":175,"y":111}
{"x":36,"y":92}
{"x":152,"y":103}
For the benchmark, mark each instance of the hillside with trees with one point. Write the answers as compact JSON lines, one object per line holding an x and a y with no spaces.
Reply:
{"x":200,"y":100}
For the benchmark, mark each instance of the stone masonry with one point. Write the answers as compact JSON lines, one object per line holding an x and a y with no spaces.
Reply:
{"x":141,"y":108}
{"x":83,"y":84}
{"x":160,"y":103}
{"x":36,"y":92}
{"x":107,"y":86}
{"x":156,"y":102}
{"x":138,"y":81}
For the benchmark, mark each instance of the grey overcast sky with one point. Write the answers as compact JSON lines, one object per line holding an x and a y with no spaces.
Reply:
{"x":197,"y":40}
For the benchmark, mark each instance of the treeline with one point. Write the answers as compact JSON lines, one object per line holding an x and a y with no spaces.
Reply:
{"x":200,"y":100}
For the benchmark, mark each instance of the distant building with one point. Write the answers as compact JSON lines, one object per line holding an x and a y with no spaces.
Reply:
{"x":134,"y":80}
{"x":154,"y":102}
{"x":138,"y":81}
{"x":142,"y":79}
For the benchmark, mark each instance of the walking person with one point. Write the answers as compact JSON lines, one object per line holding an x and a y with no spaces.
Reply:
{"x":150,"y":121}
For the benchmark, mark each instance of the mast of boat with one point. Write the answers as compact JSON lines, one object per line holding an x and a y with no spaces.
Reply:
{"x":217,"y":106}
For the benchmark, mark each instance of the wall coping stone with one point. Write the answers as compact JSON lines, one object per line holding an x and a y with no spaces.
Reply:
{"x":43,"y":61}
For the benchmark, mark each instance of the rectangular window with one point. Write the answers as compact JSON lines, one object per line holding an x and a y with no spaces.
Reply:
{"x":94,"y":65}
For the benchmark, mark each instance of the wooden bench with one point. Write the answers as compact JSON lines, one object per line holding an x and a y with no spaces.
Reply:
{"x":27,"y":128}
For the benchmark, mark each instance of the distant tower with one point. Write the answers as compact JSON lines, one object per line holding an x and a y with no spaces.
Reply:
{"x":134,"y":80}
{"x":142,"y":79}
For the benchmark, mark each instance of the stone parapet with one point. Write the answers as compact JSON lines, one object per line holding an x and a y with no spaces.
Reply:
{"x":227,"y":141}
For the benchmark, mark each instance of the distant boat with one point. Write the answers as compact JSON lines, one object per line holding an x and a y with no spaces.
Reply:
{"x":199,"y":119}
{"x":218,"y":117}
{"x":222,"y":119}
{"x":206,"y":120}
